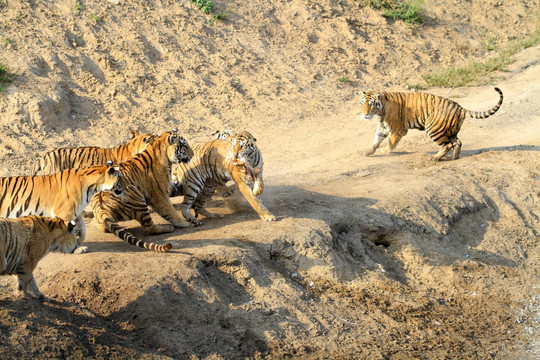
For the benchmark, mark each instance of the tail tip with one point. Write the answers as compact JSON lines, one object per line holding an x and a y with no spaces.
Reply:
{"x":167,"y":247}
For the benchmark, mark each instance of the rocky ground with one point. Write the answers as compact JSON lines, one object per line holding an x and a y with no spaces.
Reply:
{"x":388,"y":257}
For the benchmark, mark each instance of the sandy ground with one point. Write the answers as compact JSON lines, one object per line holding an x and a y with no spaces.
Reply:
{"x":386,"y":257}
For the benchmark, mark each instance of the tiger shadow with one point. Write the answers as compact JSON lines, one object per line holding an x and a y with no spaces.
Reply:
{"x":510,"y":148}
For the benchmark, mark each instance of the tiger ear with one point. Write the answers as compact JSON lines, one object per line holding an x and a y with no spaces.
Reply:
{"x":378,"y":96}
{"x":71,"y":225}
{"x":134,"y":133}
{"x":361,"y":93}
{"x":173,"y":139}
{"x":149,"y":139}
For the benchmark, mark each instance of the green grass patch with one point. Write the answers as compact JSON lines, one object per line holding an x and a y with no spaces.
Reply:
{"x":207,"y":7}
{"x":410,"y":11}
{"x":5,"y":76}
{"x":95,"y":18}
{"x":344,"y":80}
{"x":480,"y":72}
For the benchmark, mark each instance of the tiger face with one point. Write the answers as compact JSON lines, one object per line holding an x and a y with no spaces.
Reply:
{"x":248,"y":160}
{"x":178,"y":150}
{"x":370,"y":105}
{"x":110,"y":180}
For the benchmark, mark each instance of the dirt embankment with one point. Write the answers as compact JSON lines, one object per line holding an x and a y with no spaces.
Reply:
{"x":386,"y":257}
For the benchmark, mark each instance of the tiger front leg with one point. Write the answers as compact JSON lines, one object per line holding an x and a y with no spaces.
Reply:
{"x":254,"y":201}
{"x":149,"y":226}
{"x":27,"y":286}
{"x":80,"y":229}
{"x":380,"y":134}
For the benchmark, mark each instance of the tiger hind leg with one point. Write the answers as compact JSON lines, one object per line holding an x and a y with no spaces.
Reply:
{"x":392,"y":142}
{"x":457,"y":147}
{"x":445,"y":148}
{"x":206,"y":193}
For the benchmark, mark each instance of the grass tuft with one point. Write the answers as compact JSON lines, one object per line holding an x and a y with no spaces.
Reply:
{"x":5,"y":76}
{"x":480,"y":72}
{"x":410,"y":11}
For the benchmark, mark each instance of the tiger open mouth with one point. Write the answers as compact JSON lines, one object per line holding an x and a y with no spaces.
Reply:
{"x":117,"y":189}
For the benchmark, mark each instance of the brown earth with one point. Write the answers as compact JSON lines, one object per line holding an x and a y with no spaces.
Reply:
{"x":386,"y":257}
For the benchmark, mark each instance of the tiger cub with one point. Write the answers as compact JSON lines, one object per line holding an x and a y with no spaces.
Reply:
{"x":64,"y":194}
{"x":146,"y":182}
{"x":26,"y":240}
{"x":237,"y":158}
{"x":397,"y":112}
{"x":82,"y":157}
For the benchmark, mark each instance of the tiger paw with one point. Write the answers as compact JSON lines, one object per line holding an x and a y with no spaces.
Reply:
{"x":186,"y":223}
{"x":81,"y":250}
{"x":368,"y":152}
{"x":268,"y":217}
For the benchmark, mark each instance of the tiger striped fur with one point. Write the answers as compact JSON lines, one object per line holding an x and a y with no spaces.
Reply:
{"x":26,"y":240}
{"x":62,"y":195}
{"x":82,"y":157}
{"x":398,"y":112}
{"x":146,"y":182}
{"x":215,"y":162}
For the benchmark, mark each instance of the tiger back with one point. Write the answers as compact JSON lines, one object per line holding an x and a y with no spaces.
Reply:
{"x":230,"y":157}
{"x":64,"y":194}
{"x":26,"y":240}
{"x":398,"y":112}
{"x":146,"y":182}
{"x":82,"y":157}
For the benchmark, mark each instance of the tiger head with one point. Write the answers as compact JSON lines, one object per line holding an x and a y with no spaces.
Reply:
{"x":109,"y":178}
{"x":248,"y":161}
{"x":64,"y":235}
{"x":139,"y":141}
{"x":178,"y":149}
{"x":370,"y":105}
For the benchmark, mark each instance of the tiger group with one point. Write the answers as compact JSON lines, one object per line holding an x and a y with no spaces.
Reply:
{"x":119,"y":184}
{"x":42,"y":212}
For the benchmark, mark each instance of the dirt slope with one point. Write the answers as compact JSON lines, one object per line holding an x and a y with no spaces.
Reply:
{"x":388,"y":257}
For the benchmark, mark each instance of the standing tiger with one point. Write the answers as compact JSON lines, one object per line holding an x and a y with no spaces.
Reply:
{"x":231,"y":157}
{"x":146,"y":182}
{"x":398,"y":112}
{"x":64,"y":194}
{"x":26,"y":240}
{"x":82,"y":157}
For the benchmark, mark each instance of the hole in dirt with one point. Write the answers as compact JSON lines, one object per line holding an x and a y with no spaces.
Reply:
{"x":382,"y":240}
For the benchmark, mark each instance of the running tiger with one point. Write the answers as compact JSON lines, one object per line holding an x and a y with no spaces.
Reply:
{"x":146,"y":182}
{"x":25,"y":241}
{"x":62,"y":195}
{"x":231,"y":157}
{"x":397,"y":112}
{"x":82,"y":157}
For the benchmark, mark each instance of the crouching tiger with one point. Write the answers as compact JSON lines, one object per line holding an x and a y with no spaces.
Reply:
{"x":230,"y":157}
{"x":26,"y":240}
{"x":146,"y":181}
{"x":397,"y":112}
{"x":64,"y":194}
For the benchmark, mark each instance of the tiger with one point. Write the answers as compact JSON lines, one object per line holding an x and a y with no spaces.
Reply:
{"x":64,"y":194}
{"x":26,"y":240}
{"x":398,"y":112}
{"x":82,"y":157}
{"x":146,"y":182}
{"x":235,"y":157}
